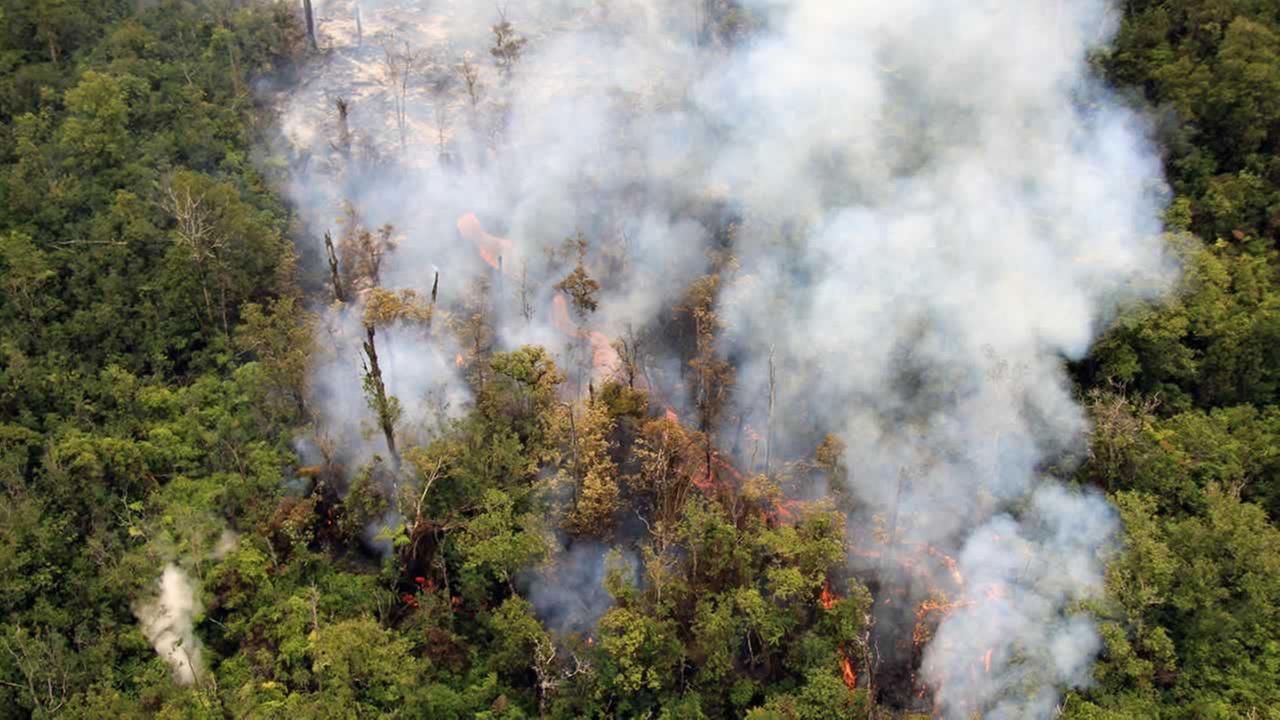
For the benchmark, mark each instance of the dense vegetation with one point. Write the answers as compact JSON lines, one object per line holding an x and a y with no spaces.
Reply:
{"x":153,"y":356}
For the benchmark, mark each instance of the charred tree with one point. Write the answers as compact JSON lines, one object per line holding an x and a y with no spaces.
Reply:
{"x":386,"y":407}
{"x":343,"y":144}
{"x":331,"y":253}
{"x":311,"y":23}
{"x":768,"y":429}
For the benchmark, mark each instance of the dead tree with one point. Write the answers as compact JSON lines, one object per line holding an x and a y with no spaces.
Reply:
{"x":359,"y":28}
{"x":398,"y":68}
{"x":524,"y":294}
{"x":343,"y":144}
{"x":440,"y":109}
{"x":338,"y":293}
{"x":386,"y":407}
{"x":470,"y":73}
{"x":768,"y":431}
{"x":196,"y":230}
{"x":311,"y":23}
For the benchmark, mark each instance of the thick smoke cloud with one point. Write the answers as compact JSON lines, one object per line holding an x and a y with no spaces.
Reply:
{"x":935,"y":205}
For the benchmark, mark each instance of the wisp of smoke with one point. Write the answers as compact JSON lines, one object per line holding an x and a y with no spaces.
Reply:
{"x":168,"y":623}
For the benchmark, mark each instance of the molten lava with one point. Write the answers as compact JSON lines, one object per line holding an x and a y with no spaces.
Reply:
{"x":492,"y":249}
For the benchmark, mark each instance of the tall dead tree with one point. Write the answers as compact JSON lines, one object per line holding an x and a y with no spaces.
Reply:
{"x":768,"y":431}
{"x":311,"y":23}
{"x":470,"y":73}
{"x":197,"y":230}
{"x":398,"y":67}
{"x":331,"y":253}
{"x":359,"y":28}
{"x":385,"y":406}
{"x":384,"y":308}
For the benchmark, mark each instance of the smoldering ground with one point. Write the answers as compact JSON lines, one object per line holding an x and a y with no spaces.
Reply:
{"x":925,"y":192}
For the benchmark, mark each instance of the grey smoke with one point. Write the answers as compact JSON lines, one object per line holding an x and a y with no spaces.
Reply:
{"x":568,"y":591}
{"x":932,"y":195}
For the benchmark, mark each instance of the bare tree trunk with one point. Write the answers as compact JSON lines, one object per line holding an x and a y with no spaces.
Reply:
{"x":526,"y":308}
{"x":311,"y":23}
{"x":381,"y":401}
{"x":768,"y":431}
{"x":435,"y":286}
{"x":359,"y":28}
{"x":332,"y":254}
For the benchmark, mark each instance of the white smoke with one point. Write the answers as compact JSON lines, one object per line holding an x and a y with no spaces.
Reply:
{"x":168,"y":623}
{"x":930,"y":194}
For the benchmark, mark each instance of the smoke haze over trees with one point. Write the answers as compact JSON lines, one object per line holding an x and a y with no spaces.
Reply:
{"x":738,"y":358}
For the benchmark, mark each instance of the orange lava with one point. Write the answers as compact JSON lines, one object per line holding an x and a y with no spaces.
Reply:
{"x":490,"y":247}
{"x":604,"y":359}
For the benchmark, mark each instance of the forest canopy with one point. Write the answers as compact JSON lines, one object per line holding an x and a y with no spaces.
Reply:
{"x":355,"y":367}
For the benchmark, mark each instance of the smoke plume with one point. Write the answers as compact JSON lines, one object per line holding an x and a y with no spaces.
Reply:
{"x":168,"y":623}
{"x":931,"y":206}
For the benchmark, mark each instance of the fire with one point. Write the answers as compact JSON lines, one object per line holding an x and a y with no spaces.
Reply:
{"x":827,"y":599}
{"x":986,"y":662}
{"x":940,"y":606}
{"x":846,"y":668}
{"x":948,"y":561}
{"x":459,"y":360}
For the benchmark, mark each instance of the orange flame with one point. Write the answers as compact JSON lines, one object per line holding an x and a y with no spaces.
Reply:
{"x":827,"y":599}
{"x":846,"y":668}
{"x":944,"y":608}
{"x":459,"y":360}
{"x":948,"y":561}
{"x":986,"y":662}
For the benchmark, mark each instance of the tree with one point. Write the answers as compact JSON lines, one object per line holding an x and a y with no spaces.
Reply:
{"x":507,"y":45}
{"x":470,"y":73}
{"x":713,"y":376}
{"x":578,"y":284}
{"x":399,"y":67}
{"x":220,"y":240}
{"x":279,"y":339}
{"x":384,"y":308}
{"x":596,"y":500}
